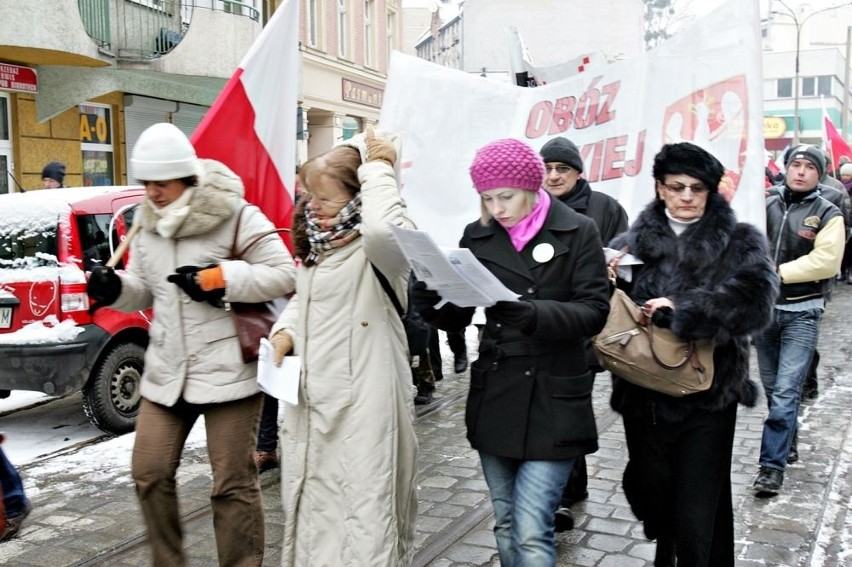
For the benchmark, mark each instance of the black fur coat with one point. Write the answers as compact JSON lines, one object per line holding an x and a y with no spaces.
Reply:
{"x":721,"y":279}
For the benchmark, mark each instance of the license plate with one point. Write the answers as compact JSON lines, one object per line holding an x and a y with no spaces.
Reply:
{"x":5,"y":317}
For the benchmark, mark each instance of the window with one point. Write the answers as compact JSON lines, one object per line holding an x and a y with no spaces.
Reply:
{"x":391,"y":26}
{"x":785,"y":88}
{"x":93,"y":231}
{"x":342,"y":20}
{"x":816,"y":86}
{"x":313,"y":19}
{"x":824,"y":85}
{"x":5,"y":146}
{"x":96,"y":144}
{"x":368,"y":32}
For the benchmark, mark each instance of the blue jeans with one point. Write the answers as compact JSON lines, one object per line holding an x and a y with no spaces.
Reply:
{"x":13,"y":489}
{"x":784,"y":353}
{"x":525,"y":495}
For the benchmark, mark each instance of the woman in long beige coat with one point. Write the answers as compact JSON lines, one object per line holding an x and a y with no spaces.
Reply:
{"x":348,"y":472}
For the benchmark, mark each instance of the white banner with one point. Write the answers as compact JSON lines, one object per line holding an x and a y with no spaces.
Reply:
{"x":703,"y":86}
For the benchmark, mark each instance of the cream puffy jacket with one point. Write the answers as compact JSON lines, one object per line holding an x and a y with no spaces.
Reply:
{"x":193,"y":351}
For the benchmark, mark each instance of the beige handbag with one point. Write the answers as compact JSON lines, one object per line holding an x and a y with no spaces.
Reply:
{"x":633,"y":348}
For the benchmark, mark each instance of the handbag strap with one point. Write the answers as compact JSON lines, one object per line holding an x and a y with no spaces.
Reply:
{"x":611,"y":267}
{"x":389,"y":291}
{"x":691,"y":355}
{"x":613,"y":264}
{"x":234,"y":253}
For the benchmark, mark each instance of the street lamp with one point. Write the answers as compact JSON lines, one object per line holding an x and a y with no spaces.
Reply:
{"x":792,"y":15}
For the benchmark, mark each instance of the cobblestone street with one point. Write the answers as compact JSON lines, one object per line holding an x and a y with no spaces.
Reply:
{"x":93,"y":519}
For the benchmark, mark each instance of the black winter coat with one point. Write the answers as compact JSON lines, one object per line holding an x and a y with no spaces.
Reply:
{"x":722,"y":281}
{"x":530,"y":394}
{"x":608,"y":214}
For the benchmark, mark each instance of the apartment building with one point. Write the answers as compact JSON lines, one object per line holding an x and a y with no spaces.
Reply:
{"x":806,"y":68}
{"x":473,"y":37}
{"x":346,"y":46}
{"x":81,"y":79}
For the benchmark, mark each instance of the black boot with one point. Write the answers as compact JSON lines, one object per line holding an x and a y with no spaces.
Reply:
{"x":563,"y":520}
{"x":666,"y":555}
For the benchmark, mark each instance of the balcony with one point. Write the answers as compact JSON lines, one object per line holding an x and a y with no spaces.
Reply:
{"x":90,"y":47}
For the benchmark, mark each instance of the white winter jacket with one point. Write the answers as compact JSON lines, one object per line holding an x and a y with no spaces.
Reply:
{"x":193,"y":351}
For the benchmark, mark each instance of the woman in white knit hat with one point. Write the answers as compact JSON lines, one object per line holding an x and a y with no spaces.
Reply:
{"x":181,"y":265}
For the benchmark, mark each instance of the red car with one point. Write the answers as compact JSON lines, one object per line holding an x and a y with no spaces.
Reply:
{"x":49,"y":240}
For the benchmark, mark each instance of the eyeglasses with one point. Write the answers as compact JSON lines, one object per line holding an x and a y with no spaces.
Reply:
{"x":697,"y":188}
{"x":560,"y":169}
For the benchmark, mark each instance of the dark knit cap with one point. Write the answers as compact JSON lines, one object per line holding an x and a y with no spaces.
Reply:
{"x":54,"y":170}
{"x":811,"y":153}
{"x":507,"y":163}
{"x":689,"y":159}
{"x":564,"y":151}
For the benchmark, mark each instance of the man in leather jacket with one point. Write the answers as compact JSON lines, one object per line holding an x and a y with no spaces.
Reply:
{"x":807,"y":236}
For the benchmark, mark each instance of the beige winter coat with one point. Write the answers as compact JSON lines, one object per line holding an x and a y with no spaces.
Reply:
{"x":193,"y":351}
{"x":349,"y":448}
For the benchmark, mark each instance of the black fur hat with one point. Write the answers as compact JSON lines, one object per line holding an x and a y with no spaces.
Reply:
{"x":691,"y":160}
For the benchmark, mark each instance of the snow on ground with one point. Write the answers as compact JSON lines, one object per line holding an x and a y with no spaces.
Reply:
{"x":108,"y":459}
{"x":22,"y":399}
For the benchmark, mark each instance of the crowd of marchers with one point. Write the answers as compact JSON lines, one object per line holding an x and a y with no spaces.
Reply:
{"x":348,"y":451}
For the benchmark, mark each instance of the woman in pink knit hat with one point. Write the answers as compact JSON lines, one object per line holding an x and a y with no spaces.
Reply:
{"x":529,"y":410}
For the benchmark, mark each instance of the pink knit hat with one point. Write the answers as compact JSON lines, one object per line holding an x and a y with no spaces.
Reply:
{"x":507,"y":163}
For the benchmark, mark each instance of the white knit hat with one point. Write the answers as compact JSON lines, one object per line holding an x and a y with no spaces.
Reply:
{"x":163,"y":152}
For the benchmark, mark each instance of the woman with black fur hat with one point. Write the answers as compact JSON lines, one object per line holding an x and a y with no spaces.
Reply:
{"x":705,"y":276}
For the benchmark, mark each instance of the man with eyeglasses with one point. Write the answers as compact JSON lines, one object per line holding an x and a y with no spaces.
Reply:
{"x":806,"y":235}
{"x":565,"y":181}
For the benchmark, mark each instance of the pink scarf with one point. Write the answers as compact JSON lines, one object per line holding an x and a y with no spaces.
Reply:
{"x":529,"y":226}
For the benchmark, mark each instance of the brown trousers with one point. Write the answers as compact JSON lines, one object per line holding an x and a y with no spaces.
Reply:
{"x":231,"y":427}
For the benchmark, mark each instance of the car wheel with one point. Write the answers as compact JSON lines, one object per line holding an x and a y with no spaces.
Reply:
{"x":111,"y":396}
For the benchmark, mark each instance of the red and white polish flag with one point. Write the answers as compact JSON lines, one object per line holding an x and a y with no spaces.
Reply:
{"x":251,"y":126}
{"x":833,"y":142}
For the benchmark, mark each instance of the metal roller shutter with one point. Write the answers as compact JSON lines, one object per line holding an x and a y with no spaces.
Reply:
{"x":139,"y":113}
{"x":187,"y":117}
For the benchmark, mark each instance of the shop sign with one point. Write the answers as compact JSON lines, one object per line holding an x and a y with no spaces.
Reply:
{"x":774,"y":127}
{"x":95,"y":127}
{"x":361,"y":93}
{"x":17,"y":78}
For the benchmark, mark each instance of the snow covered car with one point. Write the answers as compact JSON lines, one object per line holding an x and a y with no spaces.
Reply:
{"x":49,"y":342}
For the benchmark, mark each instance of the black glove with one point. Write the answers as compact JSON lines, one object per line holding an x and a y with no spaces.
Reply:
{"x":516,"y":314}
{"x":184,"y":278}
{"x":422,"y":299}
{"x":104,"y":287}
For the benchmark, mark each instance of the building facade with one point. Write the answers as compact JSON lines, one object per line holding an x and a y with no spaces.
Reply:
{"x":346,"y":46}
{"x":474,"y":40}
{"x":819,"y":40}
{"x":81,"y":79}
